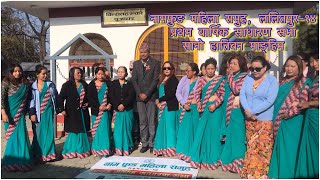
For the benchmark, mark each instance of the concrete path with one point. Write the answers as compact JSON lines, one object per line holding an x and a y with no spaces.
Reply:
{"x":70,"y":168}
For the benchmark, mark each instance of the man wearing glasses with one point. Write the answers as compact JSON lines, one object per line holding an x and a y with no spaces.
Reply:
{"x":145,"y":77}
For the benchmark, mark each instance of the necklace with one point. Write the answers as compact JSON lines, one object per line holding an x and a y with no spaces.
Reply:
{"x":208,"y":78}
{"x":256,"y":83}
{"x":77,"y":84}
{"x":234,"y":75}
{"x":122,"y":82}
{"x":193,"y":80}
{"x":289,"y":79}
{"x":40,"y":85}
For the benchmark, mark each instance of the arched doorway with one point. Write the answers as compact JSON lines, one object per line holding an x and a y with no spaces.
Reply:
{"x":166,"y":48}
{"x":80,"y":47}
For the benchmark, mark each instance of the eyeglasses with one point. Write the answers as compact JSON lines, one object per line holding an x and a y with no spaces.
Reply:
{"x":257,"y":69}
{"x":166,"y":68}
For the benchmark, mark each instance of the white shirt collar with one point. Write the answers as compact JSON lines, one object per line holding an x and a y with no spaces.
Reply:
{"x":144,"y":61}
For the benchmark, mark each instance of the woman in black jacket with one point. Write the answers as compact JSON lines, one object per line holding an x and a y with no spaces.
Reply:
{"x":99,"y":101}
{"x":122,"y":98}
{"x":166,"y":135}
{"x":76,"y":115}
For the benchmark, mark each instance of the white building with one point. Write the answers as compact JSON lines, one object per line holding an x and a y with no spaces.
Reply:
{"x":68,"y":19}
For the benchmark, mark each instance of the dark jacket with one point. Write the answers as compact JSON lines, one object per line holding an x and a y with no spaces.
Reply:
{"x":170,"y":88}
{"x":124,"y":95}
{"x":93,"y":97}
{"x":72,"y":121}
{"x":145,"y":81}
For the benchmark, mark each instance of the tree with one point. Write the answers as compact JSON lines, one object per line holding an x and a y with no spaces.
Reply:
{"x":308,"y":35}
{"x":40,"y":34}
{"x":23,"y":37}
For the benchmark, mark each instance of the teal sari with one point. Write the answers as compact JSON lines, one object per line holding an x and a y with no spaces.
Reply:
{"x":285,"y":149}
{"x":227,"y":91}
{"x":77,"y":144}
{"x":17,"y":155}
{"x":122,"y":135}
{"x":187,"y":130}
{"x":166,"y":135}
{"x":43,"y":145}
{"x":101,"y":145}
{"x":308,"y":157}
{"x":206,"y":148}
{"x":234,"y":149}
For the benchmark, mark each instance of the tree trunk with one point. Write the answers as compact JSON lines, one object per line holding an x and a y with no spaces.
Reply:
{"x":42,"y":53}
{"x":41,"y":36}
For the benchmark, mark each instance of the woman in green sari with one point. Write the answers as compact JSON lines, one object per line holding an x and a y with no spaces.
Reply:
{"x":234,"y":148}
{"x":287,"y":121}
{"x":14,"y":94}
{"x":99,"y":101}
{"x":122,"y":99}
{"x":168,"y":116}
{"x":42,"y":112}
{"x":224,"y":71}
{"x":76,"y":116}
{"x":187,"y":95}
{"x":308,"y":157}
{"x":206,"y":148}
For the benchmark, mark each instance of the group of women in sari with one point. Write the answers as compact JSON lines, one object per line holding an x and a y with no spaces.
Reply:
{"x":242,"y":119}
{"x":109,"y":101}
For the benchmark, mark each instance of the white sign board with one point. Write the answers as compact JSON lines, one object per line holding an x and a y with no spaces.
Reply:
{"x":91,"y":175}
{"x":142,"y":166}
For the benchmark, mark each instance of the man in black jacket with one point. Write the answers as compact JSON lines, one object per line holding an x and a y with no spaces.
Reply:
{"x":145,"y":77}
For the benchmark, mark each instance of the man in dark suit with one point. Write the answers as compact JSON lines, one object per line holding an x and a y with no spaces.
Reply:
{"x":145,"y":77}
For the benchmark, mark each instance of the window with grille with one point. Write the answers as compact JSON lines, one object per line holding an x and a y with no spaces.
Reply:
{"x":165,"y":48}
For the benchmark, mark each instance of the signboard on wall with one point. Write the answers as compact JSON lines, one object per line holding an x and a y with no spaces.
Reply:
{"x":124,"y":17}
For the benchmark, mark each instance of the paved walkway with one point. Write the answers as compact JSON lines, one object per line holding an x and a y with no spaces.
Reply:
{"x":70,"y":168}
